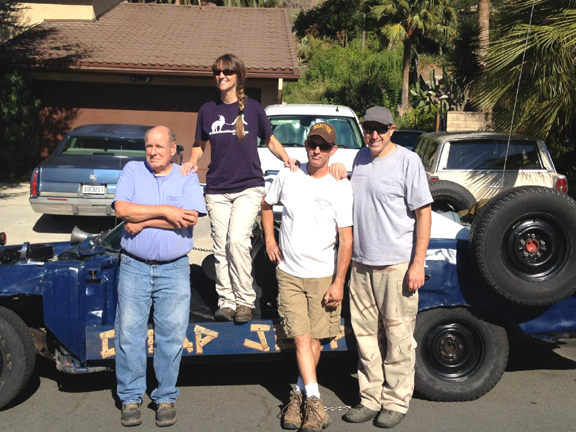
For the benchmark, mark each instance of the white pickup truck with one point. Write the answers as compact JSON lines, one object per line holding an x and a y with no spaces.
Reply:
{"x":291,"y":123}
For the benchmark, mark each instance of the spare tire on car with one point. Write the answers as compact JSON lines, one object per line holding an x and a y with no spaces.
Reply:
{"x":450,"y":196}
{"x":523,"y":243}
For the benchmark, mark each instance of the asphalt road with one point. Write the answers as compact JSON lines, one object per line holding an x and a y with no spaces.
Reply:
{"x":536,"y":393}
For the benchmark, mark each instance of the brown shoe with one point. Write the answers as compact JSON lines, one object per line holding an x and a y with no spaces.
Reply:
{"x":243,"y":314}
{"x":389,"y":419}
{"x":292,"y":418}
{"x":315,"y":418}
{"x":165,"y":414}
{"x":224,"y":314}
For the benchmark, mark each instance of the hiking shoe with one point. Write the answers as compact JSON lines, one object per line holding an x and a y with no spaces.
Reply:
{"x":315,"y":418}
{"x":243,"y":314}
{"x":131,"y":415}
{"x":165,"y":414}
{"x":389,"y":418}
{"x":292,"y":418}
{"x":224,"y":314}
{"x":359,"y":414}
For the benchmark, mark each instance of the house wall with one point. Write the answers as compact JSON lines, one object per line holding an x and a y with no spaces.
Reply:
{"x":77,"y":99}
{"x":35,"y":11}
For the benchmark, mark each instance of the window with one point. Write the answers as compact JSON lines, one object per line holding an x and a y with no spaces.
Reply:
{"x":428,"y":154}
{"x":104,"y":146}
{"x":292,"y":130}
{"x":491,"y":155}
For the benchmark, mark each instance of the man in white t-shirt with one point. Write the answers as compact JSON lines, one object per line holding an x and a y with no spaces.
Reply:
{"x":313,"y":258}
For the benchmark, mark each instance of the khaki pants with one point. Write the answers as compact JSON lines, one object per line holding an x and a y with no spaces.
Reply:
{"x":231,"y":218}
{"x":383,"y":315}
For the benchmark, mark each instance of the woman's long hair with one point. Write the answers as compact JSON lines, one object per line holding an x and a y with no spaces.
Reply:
{"x":230,"y":61}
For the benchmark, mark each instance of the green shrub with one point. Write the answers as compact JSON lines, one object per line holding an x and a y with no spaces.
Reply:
{"x":19,"y":143}
{"x":347,"y":76}
{"x":418,"y":118}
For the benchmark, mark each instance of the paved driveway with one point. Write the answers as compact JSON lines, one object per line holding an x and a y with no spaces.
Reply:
{"x":21,"y":223}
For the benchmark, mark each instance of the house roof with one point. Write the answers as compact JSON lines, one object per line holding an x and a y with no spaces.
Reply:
{"x":161,"y":39}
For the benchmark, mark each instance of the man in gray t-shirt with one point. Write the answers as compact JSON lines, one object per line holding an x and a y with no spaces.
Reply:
{"x":392,"y":219}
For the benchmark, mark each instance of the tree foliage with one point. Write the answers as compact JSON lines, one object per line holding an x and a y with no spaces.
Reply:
{"x":18,"y":127}
{"x":407,"y":22}
{"x":543,"y":103}
{"x":347,"y":76}
{"x":547,"y":96}
{"x":334,"y":19}
{"x":232,"y":3}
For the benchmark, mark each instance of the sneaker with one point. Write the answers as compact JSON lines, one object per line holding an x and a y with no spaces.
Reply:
{"x":315,"y":418}
{"x":224,"y":314}
{"x":292,"y":418}
{"x":359,"y":414}
{"x":131,"y":415}
{"x":165,"y":414}
{"x":389,"y":419}
{"x":243,"y":314}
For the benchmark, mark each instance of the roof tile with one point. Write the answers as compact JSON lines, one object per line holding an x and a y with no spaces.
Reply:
{"x":170,"y":38}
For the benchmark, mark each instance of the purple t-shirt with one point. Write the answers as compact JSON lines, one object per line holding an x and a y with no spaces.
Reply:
{"x":235,"y":164}
{"x":138,"y":184}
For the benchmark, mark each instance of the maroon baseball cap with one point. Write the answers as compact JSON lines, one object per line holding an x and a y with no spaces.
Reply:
{"x":325,"y":131}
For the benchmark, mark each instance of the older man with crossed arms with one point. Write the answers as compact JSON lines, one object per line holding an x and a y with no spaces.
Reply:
{"x":160,"y":206}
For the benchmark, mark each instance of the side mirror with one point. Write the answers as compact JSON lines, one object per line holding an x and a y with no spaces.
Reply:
{"x":179,"y":151}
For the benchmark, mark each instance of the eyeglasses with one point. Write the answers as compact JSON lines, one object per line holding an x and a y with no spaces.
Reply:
{"x":323,"y":147}
{"x":382,"y":129}
{"x":226,"y":72}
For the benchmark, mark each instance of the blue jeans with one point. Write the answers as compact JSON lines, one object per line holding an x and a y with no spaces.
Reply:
{"x":140,"y":286}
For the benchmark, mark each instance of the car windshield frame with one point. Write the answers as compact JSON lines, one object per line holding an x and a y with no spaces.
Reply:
{"x":294,"y":134}
{"x":110,"y":240}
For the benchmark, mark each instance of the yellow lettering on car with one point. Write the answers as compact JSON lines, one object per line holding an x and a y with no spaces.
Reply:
{"x":105,"y":338}
{"x":188,"y":346}
{"x":260,"y":330}
{"x":341,"y":334}
{"x":150,"y":341}
{"x":209,"y":336}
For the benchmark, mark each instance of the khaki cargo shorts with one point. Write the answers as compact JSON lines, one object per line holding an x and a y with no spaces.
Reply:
{"x":300,"y":307}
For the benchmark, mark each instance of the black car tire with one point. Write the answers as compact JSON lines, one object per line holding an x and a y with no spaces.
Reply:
{"x":460,"y":356}
{"x":17,"y":356}
{"x":523,"y":244}
{"x":450,"y":196}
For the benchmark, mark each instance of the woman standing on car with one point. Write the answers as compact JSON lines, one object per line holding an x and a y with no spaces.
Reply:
{"x":234,"y":182}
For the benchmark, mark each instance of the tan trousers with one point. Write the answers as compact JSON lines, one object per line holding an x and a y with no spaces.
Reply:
{"x":231,"y":218}
{"x":383,"y":315}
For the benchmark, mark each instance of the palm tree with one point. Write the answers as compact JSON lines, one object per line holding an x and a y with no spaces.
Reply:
{"x":483,"y":29}
{"x":547,"y":91}
{"x":407,"y":22}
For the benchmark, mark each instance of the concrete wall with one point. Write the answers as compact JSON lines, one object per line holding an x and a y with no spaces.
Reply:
{"x":468,"y":121}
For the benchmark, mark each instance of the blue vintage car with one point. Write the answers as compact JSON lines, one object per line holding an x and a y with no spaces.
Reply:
{"x":512,"y":271}
{"x":80,"y":177}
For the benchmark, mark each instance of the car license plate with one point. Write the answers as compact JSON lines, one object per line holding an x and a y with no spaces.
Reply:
{"x":93,"y":190}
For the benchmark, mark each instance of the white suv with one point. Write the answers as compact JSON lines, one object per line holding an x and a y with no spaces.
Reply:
{"x":465,"y":167}
{"x":291,"y":123}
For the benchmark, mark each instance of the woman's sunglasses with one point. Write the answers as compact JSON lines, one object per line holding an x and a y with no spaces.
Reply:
{"x":226,"y":72}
